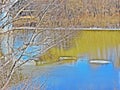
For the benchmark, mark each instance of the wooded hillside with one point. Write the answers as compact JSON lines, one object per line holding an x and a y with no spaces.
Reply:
{"x":72,"y":13}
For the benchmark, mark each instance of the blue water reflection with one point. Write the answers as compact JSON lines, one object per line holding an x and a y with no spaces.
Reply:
{"x":81,"y":76}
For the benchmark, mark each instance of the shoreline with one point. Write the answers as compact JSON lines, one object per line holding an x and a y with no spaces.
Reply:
{"x":60,"y":28}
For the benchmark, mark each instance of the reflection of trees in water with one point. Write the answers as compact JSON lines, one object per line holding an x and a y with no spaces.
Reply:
{"x":43,"y":40}
{"x":29,"y":45}
{"x":13,"y":52}
{"x":117,"y":55}
{"x":112,"y":54}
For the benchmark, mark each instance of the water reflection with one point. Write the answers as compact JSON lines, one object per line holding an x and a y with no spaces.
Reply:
{"x":81,"y":75}
{"x":97,"y":44}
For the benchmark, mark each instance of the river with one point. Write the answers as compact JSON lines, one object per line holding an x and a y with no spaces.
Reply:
{"x":80,"y":74}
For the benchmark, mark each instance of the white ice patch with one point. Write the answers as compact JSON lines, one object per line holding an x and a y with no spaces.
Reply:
{"x":100,"y":61}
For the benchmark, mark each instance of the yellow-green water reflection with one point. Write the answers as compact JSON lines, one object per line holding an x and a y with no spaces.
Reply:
{"x":96,"y":44}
